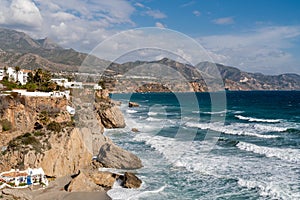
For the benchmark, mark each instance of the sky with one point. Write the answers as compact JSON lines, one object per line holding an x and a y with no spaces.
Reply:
{"x":253,"y":35}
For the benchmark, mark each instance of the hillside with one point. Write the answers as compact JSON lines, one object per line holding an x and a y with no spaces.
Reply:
{"x":19,"y":49}
{"x":18,"y":45}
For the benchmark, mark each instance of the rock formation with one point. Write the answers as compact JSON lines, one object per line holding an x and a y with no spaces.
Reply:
{"x":112,"y":156}
{"x":44,"y":135}
{"x":133,"y":104}
{"x":131,"y":180}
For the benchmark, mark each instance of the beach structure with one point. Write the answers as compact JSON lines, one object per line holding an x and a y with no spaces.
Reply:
{"x":22,"y":179}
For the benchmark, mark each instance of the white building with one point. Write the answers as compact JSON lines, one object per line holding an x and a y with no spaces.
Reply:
{"x":54,"y":94}
{"x":12,"y":75}
{"x":64,"y":82}
{"x":22,"y":179}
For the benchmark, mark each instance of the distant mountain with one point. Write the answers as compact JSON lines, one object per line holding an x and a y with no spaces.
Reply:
{"x":201,"y":77}
{"x":236,"y":79}
{"x":18,"y":44}
{"x":19,"y":49}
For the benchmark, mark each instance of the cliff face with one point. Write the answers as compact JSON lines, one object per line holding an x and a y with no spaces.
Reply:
{"x":43,"y":134}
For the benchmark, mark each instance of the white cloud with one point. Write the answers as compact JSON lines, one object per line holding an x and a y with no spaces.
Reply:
{"x":197,"y":13}
{"x":262,"y":50}
{"x":72,"y":23}
{"x":156,"y":14}
{"x":139,"y":5}
{"x":20,"y":13}
{"x":160,"y":25}
{"x":224,"y":21}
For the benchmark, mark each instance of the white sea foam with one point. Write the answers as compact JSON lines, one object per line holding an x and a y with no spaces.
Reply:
{"x":117,"y":192}
{"x":215,"y":112}
{"x":270,"y":128}
{"x":152,"y":113}
{"x":251,"y":119}
{"x":287,"y":154}
{"x":153,"y":119}
{"x":210,"y":113}
{"x":269,"y":189}
{"x":131,"y":111}
{"x":233,"y":129}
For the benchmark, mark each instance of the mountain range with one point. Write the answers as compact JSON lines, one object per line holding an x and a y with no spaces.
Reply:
{"x":19,"y":49}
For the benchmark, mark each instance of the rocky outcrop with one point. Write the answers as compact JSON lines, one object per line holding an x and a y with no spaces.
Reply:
{"x":67,"y":155}
{"x":135,"y":130}
{"x":104,"y":179}
{"x":62,"y":145}
{"x":133,"y":104}
{"x":131,"y":180}
{"x":82,"y":183}
{"x":111,"y":116}
{"x":112,"y":156}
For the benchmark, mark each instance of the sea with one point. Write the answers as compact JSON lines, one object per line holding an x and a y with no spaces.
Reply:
{"x":245,"y":146}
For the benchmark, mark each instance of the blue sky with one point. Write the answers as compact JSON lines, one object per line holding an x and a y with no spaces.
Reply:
{"x":253,"y":35}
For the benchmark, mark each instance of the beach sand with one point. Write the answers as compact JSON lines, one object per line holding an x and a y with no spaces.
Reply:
{"x":56,"y":191}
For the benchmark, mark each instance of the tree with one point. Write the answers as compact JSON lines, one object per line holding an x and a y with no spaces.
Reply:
{"x":17,"y":69}
{"x":5,"y":70}
{"x":30,"y":78}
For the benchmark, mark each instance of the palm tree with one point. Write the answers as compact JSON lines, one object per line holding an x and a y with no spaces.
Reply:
{"x":17,"y":69}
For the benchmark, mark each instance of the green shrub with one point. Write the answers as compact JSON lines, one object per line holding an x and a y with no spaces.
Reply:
{"x":54,"y":126}
{"x":38,"y":133}
{"x":30,"y":140}
{"x":22,"y":184}
{"x":6,"y":125}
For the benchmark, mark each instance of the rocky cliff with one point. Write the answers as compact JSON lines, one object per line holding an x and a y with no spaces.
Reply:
{"x":41,"y":133}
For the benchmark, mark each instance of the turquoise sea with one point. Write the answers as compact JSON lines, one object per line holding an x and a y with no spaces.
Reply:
{"x":246,"y":147}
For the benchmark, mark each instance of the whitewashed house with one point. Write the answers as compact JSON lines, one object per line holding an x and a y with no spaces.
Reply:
{"x":12,"y":75}
{"x":97,"y":87}
{"x":22,"y":179}
{"x":64,"y":82}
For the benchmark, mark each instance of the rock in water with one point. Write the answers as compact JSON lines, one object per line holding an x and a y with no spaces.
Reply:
{"x":135,"y":130}
{"x":104,"y":179}
{"x":131,"y":180}
{"x":112,"y":156}
{"x":133,"y":104}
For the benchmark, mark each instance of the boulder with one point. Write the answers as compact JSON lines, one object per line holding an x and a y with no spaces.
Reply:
{"x":104,"y":179}
{"x":133,"y":104}
{"x":112,"y":156}
{"x":131,"y":180}
{"x":135,"y":130}
{"x":82,"y":183}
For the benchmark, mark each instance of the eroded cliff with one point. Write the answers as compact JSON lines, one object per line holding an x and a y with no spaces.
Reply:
{"x":42,"y":133}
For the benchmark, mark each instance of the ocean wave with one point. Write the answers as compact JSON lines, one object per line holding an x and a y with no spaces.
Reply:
{"x":269,"y":189}
{"x":210,"y":113}
{"x":287,"y":154}
{"x":251,"y":119}
{"x":131,"y":111}
{"x":123,"y":193}
{"x":152,"y":119}
{"x":152,"y":113}
{"x":272,"y":128}
{"x":233,"y":129}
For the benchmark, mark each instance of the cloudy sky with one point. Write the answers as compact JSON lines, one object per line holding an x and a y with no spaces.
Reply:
{"x":253,"y":35}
